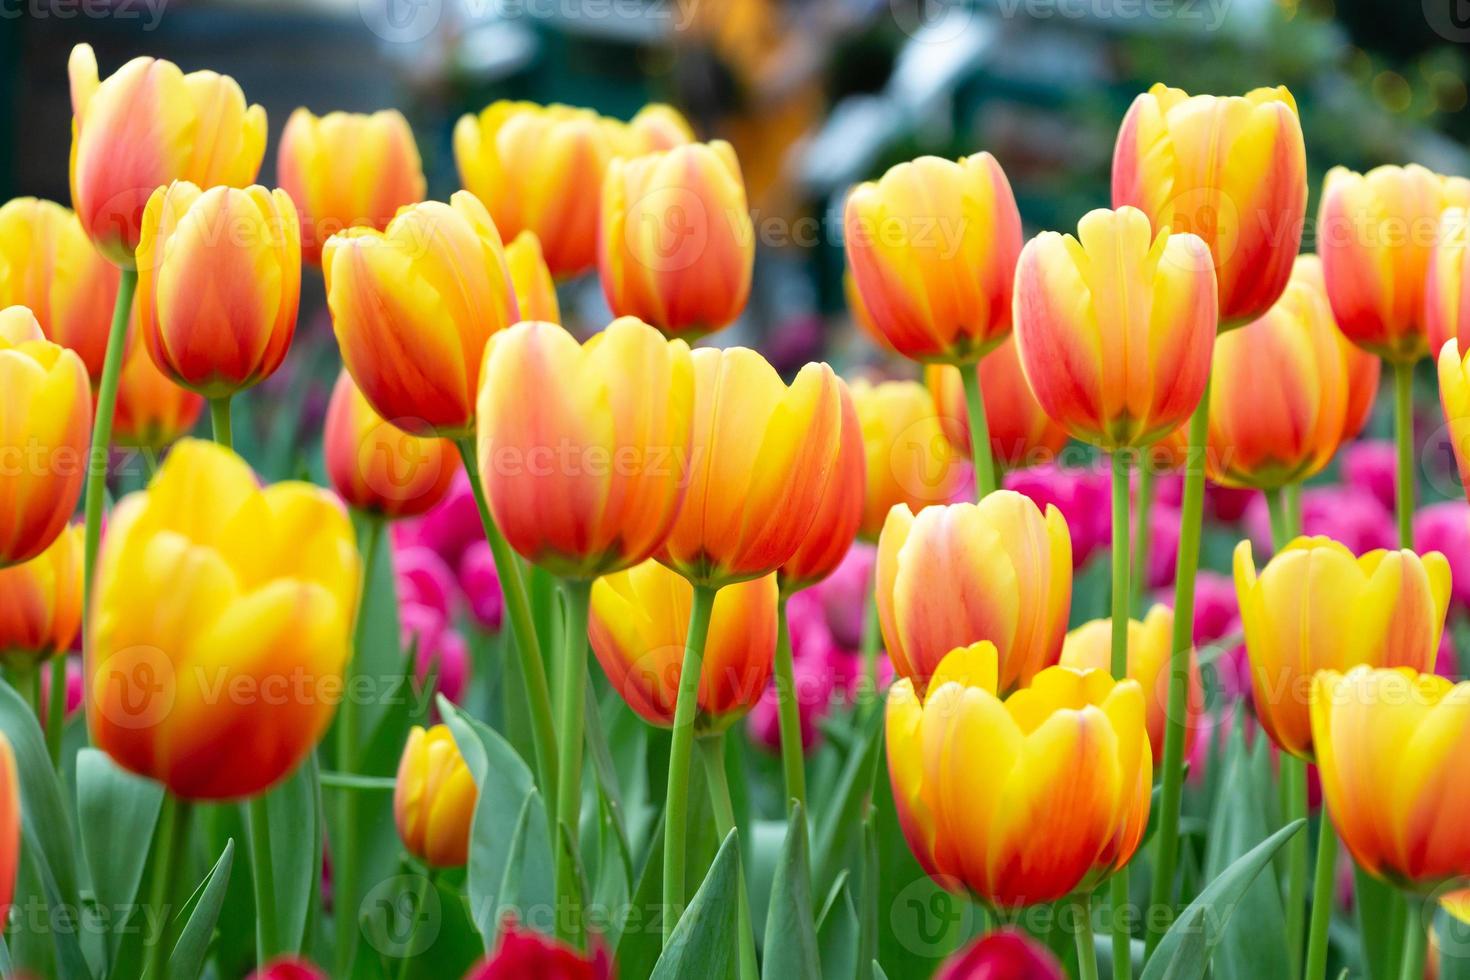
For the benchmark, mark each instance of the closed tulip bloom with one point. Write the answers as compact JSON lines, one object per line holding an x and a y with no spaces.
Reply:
{"x":676,"y":244}
{"x":59,"y":275}
{"x":535,"y":288}
{"x":999,"y":571}
{"x":1282,"y":398}
{"x":1150,"y":645}
{"x":9,"y":827}
{"x":376,"y":466}
{"x":41,"y":602}
{"x":1021,"y":434}
{"x":840,"y":512}
{"x":523,"y":953}
{"x":1115,"y":327}
{"x":1062,"y":798}
{"x":1317,"y":607}
{"x":591,"y":481}
{"x":1391,"y":749}
{"x":346,"y":169}
{"x":910,"y":459}
{"x":145,"y":127}
{"x":1229,"y":169}
{"x":1447,"y":287}
{"x":759,"y":462}
{"x":1005,"y":954}
{"x":1376,"y":232}
{"x":219,"y":281}
{"x":43,"y":431}
{"x":932,"y":246}
{"x":412,"y":307}
{"x":1454,"y":398}
{"x":235,"y":605}
{"x":152,"y":410}
{"x":656,"y":127}
{"x":638,"y":624}
{"x":434,"y":798}
{"x":1364,"y":372}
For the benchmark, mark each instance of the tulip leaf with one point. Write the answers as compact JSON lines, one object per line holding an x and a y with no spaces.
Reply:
{"x":70,"y":962}
{"x":703,"y":942}
{"x":637,"y":948}
{"x":614,"y":884}
{"x":1184,"y":952}
{"x":878,"y":973}
{"x":294,"y":810}
{"x":114,"y":805}
{"x":791,"y":935}
{"x":186,"y":962}
{"x":838,"y":933}
{"x":843,"y":818}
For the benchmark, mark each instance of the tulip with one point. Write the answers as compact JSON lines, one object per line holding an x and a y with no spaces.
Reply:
{"x":1021,"y":434}
{"x":639,"y":621}
{"x":1063,"y":796}
{"x":675,"y":243}
{"x":376,"y":466}
{"x":522,"y":953}
{"x":55,"y":271}
{"x":1454,"y":397}
{"x":145,"y":127}
{"x":288,"y":968}
{"x":654,"y":128}
{"x":998,"y":571}
{"x":590,"y":482}
{"x":1150,"y":644}
{"x":1367,"y":465}
{"x":43,"y":436}
{"x":41,"y":602}
{"x":413,"y":306}
{"x":535,"y":289}
{"x":839,"y":512}
{"x":434,"y":798}
{"x":347,"y":169}
{"x":1115,"y":327}
{"x":1006,"y":954}
{"x":152,"y":411}
{"x":232,"y":606}
{"x":932,"y":246}
{"x":1445,"y":527}
{"x":1446,"y":300}
{"x":760,"y":459}
{"x":1080,"y":494}
{"x":70,"y":698}
{"x":909,"y":457}
{"x":1231,"y":170}
{"x":480,"y":582}
{"x":10,"y":809}
{"x":1317,"y":607}
{"x":219,"y":278}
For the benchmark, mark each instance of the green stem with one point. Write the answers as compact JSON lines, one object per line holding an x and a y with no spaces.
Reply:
{"x":112,"y":363}
{"x":1121,"y":565}
{"x":523,"y":629}
{"x":420,"y":895}
{"x":1172,"y":781}
{"x":1086,"y":946}
{"x":1403,"y":418}
{"x":263,"y":872}
{"x":985,"y":476}
{"x":56,"y":710}
{"x":1280,"y":519}
{"x":1414,"y":939}
{"x":1146,"y":480}
{"x":1294,"y":787}
{"x":712,"y":749}
{"x":26,"y":679}
{"x":676,"y":813}
{"x":872,"y":646}
{"x":168,"y":866}
{"x":788,"y":711}
{"x":571,"y":703}
{"x":1323,"y":883}
{"x":1293,"y":493}
{"x":219,"y":418}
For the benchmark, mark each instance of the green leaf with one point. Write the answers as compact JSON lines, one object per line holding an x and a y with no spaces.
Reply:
{"x":43,"y":811}
{"x":841,"y":820}
{"x":703,"y":943}
{"x":114,"y":805}
{"x":69,"y":959}
{"x":294,"y":818}
{"x":791,"y":936}
{"x":638,"y":945}
{"x":878,"y":973}
{"x":186,"y":961}
{"x":838,"y":933}
{"x":1184,"y":952}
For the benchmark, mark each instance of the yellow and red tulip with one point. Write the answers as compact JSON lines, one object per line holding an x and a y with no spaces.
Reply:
{"x":840,"y":513}
{"x":434,"y":798}
{"x":999,"y":571}
{"x":932,"y":246}
{"x":152,"y":411}
{"x":221,"y":619}
{"x":638,"y":625}
{"x":412,"y":307}
{"x":219,"y":281}
{"x":346,"y":169}
{"x":591,"y":481}
{"x":535,"y":288}
{"x":41,"y":602}
{"x":1021,"y":434}
{"x":676,"y":244}
{"x":656,"y":127}
{"x":1231,"y":170}
{"x":1447,"y":287}
{"x":1454,"y":398}
{"x":1115,"y":327}
{"x":1317,"y":607}
{"x":145,"y":127}
{"x":910,"y":460}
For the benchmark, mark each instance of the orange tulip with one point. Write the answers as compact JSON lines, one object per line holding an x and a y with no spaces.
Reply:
{"x":1150,"y":644}
{"x":1021,"y":434}
{"x":932,"y":246}
{"x":145,"y":127}
{"x":676,"y":244}
{"x":219,"y":279}
{"x":346,"y":169}
{"x":1062,"y":798}
{"x":909,"y":459}
{"x":638,"y":624}
{"x":998,"y":571}
{"x":9,"y":828}
{"x":1447,"y":287}
{"x":43,"y":436}
{"x":760,"y":459}
{"x":55,"y":271}
{"x":434,"y":798}
{"x":152,"y":411}
{"x":591,"y":481}
{"x":1391,"y":749}
{"x":535,"y":289}
{"x":376,"y":466}
{"x":41,"y":602}
{"x":840,"y":512}
{"x":1375,"y":234}
{"x":1316,"y":607}
{"x":412,"y":307}
{"x":1114,"y":327}
{"x":1229,"y":169}
{"x":656,"y":127}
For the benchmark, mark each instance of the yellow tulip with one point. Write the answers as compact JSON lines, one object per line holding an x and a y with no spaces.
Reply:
{"x":535,"y":288}
{"x":1454,"y":399}
{"x":434,"y":798}
{"x":910,"y":459}
{"x":41,"y":602}
{"x":840,"y":512}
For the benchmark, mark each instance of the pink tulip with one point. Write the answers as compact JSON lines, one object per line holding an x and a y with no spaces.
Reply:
{"x":73,"y":688}
{"x":1007,"y":954}
{"x":288,"y":968}
{"x":1445,"y":527}
{"x":424,"y":579}
{"x":480,"y":583}
{"x":1370,"y":464}
{"x":1350,"y":514}
{"x":845,"y":593}
{"x":522,"y":954}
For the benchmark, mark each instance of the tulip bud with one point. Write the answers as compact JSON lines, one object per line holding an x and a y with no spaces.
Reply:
{"x":840,"y":511}
{"x":1021,"y":434}
{"x":288,"y":968}
{"x":434,"y":798}
{"x":535,"y":289}
{"x":1006,"y":954}
{"x":910,"y":460}
{"x":522,"y":953}
{"x":41,"y":602}
{"x":152,"y":411}
{"x":655,"y":128}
